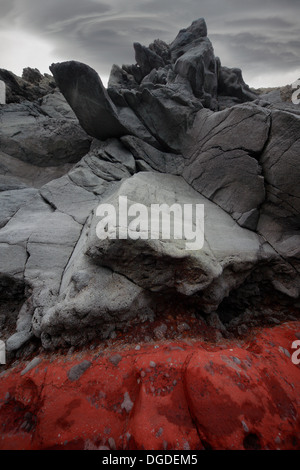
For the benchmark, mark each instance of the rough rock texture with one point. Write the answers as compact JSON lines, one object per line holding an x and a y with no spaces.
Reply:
{"x":32,"y":86}
{"x":231,"y":84}
{"x":222,"y":163}
{"x":174,"y":130}
{"x":162,"y":91}
{"x":86,"y":95}
{"x":167,"y":265}
{"x":239,"y":162}
{"x":195,"y":62}
{"x":166,"y":395}
{"x":28,"y":134}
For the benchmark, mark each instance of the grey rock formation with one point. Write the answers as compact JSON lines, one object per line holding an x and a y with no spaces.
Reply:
{"x":168,"y":267}
{"x":198,"y":67}
{"x":86,"y":95}
{"x":147,"y":59}
{"x":188,"y":38}
{"x":16,"y":174}
{"x":160,"y":161}
{"x":97,"y":114}
{"x":279,"y":219}
{"x":159,"y":95}
{"x":28,"y":134}
{"x":175,"y":128}
{"x":55,"y":106}
{"x":221,"y":159}
{"x":32,"y":86}
{"x":165,"y":113}
{"x":231,"y":84}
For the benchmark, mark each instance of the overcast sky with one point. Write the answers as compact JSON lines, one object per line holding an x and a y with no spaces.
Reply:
{"x":262,"y":37}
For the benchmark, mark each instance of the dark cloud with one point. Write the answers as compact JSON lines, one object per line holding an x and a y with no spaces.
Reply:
{"x":257,"y":52}
{"x":46,"y":15}
{"x":7,"y":7}
{"x":247,"y":34}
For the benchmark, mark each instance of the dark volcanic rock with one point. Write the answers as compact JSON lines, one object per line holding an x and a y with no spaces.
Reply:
{"x":86,"y":95}
{"x":163,"y":89}
{"x":187,"y":38}
{"x":160,"y":138}
{"x":165,"y":113}
{"x":147,"y":59}
{"x":154,"y":252}
{"x":231,"y":84}
{"x":32,"y":86}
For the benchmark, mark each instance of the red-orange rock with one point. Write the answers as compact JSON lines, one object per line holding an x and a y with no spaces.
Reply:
{"x":165,"y":395}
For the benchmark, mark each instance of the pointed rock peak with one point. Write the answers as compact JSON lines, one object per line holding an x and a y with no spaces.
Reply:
{"x":197,"y":30}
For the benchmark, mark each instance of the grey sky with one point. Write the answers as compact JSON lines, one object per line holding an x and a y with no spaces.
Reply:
{"x":260,"y":37}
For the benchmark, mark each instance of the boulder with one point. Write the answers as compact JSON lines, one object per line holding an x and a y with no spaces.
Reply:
{"x":85,"y":93}
{"x":169,"y":266}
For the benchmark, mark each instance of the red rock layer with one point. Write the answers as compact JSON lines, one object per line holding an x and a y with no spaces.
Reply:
{"x":168,"y":395}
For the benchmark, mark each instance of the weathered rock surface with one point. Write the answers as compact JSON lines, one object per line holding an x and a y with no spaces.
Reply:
{"x":162,"y":92}
{"x":87,"y":96}
{"x":28,"y":134}
{"x":279,"y":220}
{"x":221,"y":159}
{"x":231,"y":84}
{"x":165,"y":395}
{"x":174,"y":128}
{"x":157,"y":160}
{"x":32,"y":86}
{"x":167,"y":265}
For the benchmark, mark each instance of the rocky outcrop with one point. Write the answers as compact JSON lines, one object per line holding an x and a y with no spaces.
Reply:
{"x":39,"y":141}
{"x":158,"y":135}
{"x":168,"y":395}
{"x":29,"y":135}
{"x":32,"y":86}
{"x":222,"y":163}
{"x":86,"y":95}
{"x":231,"y":84}
{"x":157,"y":98}
{"x":109,"y":326}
